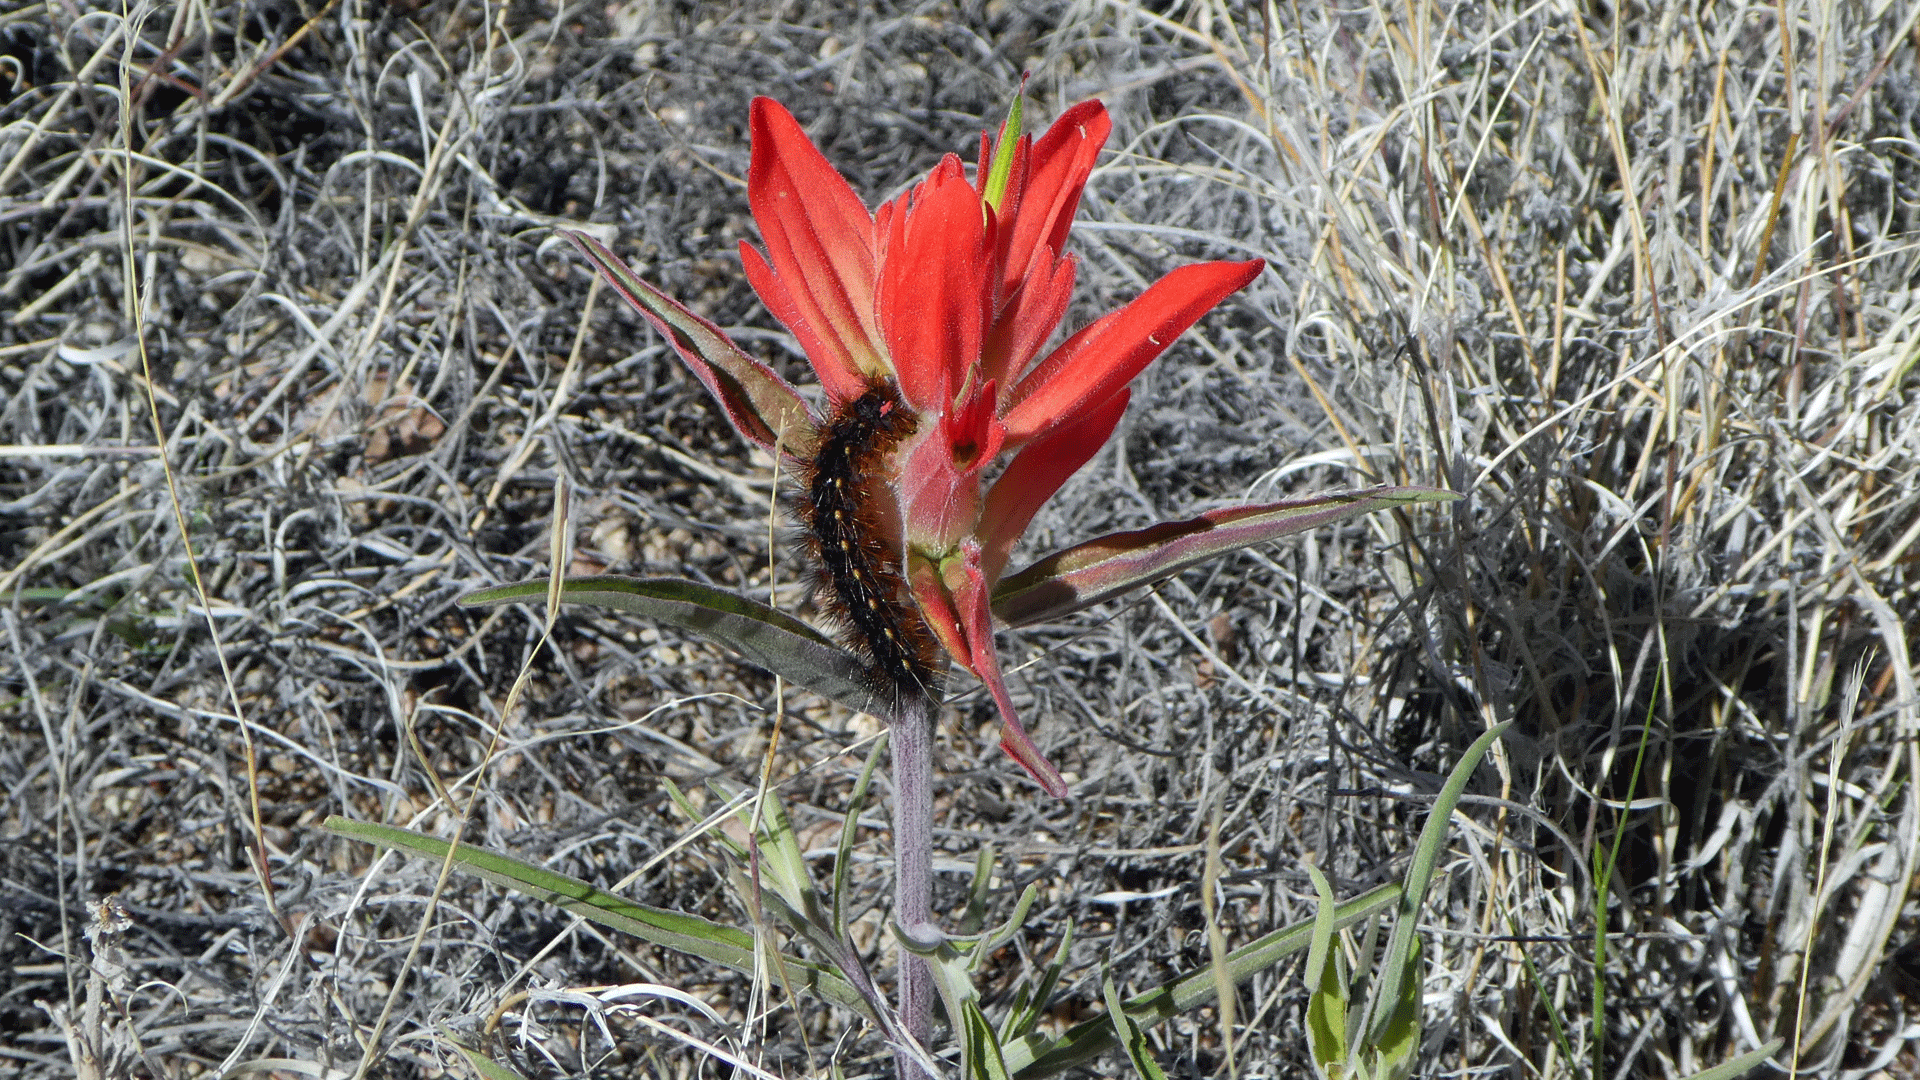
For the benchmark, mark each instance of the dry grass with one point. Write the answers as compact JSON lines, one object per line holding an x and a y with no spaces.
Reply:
{"x":1635,"y":280}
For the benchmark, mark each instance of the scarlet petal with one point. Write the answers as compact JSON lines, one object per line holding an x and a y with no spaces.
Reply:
{"x":971,"y":595}
{"x":1095,"y":363}
{"x":1036,"y":472}
{"x":934,"y":291}
{"x":819,"y":241}
{"x":1059,"y":166}
{"x":982,"y":165}
{"x":973,"y":429}
{"x":939,"y":481}
{"x":841,"y":381}
{"x":1029,"y":319}
{"x":939,"y":500}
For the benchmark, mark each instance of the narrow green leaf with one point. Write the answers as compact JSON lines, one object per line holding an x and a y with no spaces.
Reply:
{"x":1742,"y":1065}
{"x":690,"y":934}
{"x":1426,"y":854}
{"x":1327,"y":996}
{"x":975,"y":915}
{"x":1361,"y":985}
{"x":1132,"y":1039}
{"x":995,"y":189}
{"x":843,"y":855}
{"x":1393,"y":1053}
{"x":982,"y":1049}
{"x":1101,"y":569}
{"x":782,"y":863}
{"x":1542,"y":992}
{"x":994,"y":937}
{"x":488,"y":1068}
{"x":760,"y":404}
{"x":687,"y":810}
{"x":1035,"y":1055}
{"x":1030,"y":1002}
{"x":1603,"y":871}
{"x":973,"y":947}
{"x":775,"y":908}
{"x":783,"y":886}
{"x":766,"y":636}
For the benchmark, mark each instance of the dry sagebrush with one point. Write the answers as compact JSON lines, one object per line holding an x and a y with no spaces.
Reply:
{"x":1637,"y":279}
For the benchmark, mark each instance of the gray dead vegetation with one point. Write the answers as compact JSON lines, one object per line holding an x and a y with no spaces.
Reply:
{"x":1639,"y":279}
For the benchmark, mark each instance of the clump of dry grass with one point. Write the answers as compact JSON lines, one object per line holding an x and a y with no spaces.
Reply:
{"x":1638,"y":283}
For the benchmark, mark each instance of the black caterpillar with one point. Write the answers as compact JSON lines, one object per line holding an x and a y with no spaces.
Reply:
{"x":855,"y":538}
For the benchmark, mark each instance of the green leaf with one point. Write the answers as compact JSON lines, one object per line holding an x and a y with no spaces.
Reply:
{"x":783,"y":886}
{"x":1327,"y":1000}
{"x":767,"y":637}
{"x":1035,"y":1056}
{"x":760,"y":404}
{"x":992,"y":938}
{"x":689,"y":934}
{"x":975,"y":915}
{"x":781,"y":861}
{"x":995,"y":189}
{"x":1031,"y":1001}
{"x":953,"y":978}
{"x":48,"y":595}
{"x":1361,"y":988}
{"x":1542,"y":992}
{"x":843,"y":855}
{"x":705,"y":824}
{"x":774,"y":905}
{"x":1101,"y":569}
{"x":1392,"y":1054}
{"x":1742,"y":1065}
{"x":1132,"y":1039}
{"x":488,"y":1068}
{"x":973,"y":948}
{"x":980,"y":1046}
{"x":1397,"y":964}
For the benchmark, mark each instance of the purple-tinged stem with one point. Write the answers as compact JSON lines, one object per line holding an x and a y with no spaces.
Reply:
{"x":912,"y":744}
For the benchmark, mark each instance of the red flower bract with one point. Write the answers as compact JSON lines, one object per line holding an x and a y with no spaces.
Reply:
{"x":949,"y":292}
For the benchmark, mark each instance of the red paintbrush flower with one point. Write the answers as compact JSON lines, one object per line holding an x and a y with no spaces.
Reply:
{"x":936,"y":306}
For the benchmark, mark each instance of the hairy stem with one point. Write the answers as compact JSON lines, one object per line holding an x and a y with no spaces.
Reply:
{"x":912,"y":741}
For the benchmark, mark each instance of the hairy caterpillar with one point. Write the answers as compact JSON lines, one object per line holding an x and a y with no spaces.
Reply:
{"x":846,"y":509}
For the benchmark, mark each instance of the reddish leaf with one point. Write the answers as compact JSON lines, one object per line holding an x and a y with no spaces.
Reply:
{"x":760,"y":404}
{"x":1101,"y":569}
